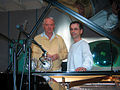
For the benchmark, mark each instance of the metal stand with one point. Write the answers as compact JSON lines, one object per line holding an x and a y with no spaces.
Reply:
{"x":29,"y":66}
{"x":14,"y":63}
{"x":17,"y":53}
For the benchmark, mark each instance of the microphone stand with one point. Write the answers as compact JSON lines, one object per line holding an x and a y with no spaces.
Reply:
{"x":16,"y":54}
{"x":30,"y":34}
{"x":17,"y":50}
{"x":44,"y":51}
{"x":14,"y":63}
{"x":14,"y":60}
{"x":13,"y":42}
{"x":17,"y":43}
{"x":28,"y":42}
{"x":29,"y":57}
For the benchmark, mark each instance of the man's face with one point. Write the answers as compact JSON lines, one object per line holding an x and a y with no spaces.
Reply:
{"x":75,"y":31}
{"x":48,"y":25}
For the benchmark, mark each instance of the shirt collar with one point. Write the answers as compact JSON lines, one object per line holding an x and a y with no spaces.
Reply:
{"x":43,"y":34}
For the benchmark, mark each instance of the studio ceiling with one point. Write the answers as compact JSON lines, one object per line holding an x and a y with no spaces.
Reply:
{"x":13,"y":5}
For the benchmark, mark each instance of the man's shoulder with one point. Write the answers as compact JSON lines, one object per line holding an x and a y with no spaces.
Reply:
{"x":83,"y":42}
{"x":38,"y":36}
{"x":58,"y":36}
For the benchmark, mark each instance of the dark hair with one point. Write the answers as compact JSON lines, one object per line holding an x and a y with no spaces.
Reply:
{"x":80,"y":24}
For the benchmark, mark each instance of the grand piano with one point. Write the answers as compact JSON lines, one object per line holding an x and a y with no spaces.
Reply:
{"x":67,"y":79}
{"x":71,"y":79}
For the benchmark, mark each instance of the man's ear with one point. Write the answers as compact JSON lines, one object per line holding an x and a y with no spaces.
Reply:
{"x":81,"y":31}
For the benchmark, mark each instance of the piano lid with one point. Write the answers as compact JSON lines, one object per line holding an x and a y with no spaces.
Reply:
{"x":114,"y":35}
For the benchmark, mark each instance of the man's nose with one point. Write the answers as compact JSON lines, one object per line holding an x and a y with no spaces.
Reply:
{"x":49,"y":25}
{"x":72,"y":30}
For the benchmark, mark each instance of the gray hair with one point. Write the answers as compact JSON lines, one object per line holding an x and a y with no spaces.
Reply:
{"x":49,"y":18}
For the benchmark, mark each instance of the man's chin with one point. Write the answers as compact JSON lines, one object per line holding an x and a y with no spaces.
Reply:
{"x":73,"y":36}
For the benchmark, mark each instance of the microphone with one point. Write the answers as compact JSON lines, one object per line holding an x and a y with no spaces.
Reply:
{"x":45,"y":62}
{"x":41,"y":60}
{"x":25,"y":24}
{"x":22,"y":26}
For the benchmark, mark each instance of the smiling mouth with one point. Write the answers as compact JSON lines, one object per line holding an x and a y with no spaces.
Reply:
{"x":73,"y":34}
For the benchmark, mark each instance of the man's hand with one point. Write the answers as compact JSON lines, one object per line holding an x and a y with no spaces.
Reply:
{"x":81,"y":69}
{"x":53,"y":57}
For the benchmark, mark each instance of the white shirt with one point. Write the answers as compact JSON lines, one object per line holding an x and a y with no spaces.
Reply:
{"x":79,"y":56}
{"x":53,"y":36}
